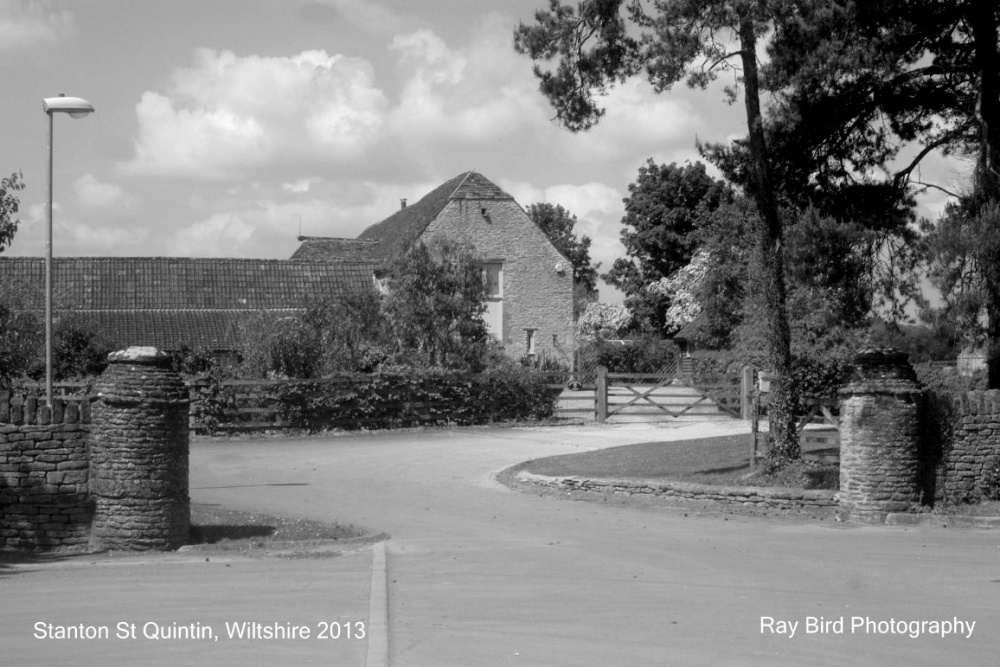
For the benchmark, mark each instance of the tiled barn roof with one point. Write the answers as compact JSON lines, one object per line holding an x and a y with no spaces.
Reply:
{"x":327,"y":248}
{"x":173,"y":301}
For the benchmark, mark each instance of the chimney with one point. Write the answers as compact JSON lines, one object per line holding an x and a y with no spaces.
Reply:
{"x":402,"y":204}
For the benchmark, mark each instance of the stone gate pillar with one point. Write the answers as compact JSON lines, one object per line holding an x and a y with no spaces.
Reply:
{"x":139,"y":454}
{"x":880,"y":436}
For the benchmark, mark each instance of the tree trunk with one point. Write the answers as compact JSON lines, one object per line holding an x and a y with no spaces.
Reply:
{"x":783,"y":399}
{"x":981,"y":18}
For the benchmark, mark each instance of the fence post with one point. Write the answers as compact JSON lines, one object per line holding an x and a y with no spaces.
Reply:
{"x":746,"y":393}
{"x":602,"y":394}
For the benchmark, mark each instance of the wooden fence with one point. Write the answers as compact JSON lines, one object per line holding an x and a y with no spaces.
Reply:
{"x":599,"y":395}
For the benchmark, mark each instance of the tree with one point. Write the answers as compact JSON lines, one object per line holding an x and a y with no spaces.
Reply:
{"x":354,"y":335}
{"x":964,"y":264}
{"x":864,"y":93}
{"x":666,"y":204}
{"x":436,"y":302}
{"x":78,"y":350}
{"x":558,"y":224}
{"x":604,"y":42}
{"x":9,"y":205}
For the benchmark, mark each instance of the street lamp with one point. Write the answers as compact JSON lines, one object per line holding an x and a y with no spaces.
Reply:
{"x":76,"y":108}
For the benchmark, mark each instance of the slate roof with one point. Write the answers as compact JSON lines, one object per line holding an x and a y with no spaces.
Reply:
{"x":172,"y":301}
{"x":400,"y":230}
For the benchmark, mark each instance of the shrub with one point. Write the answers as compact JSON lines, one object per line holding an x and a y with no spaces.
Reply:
{"x":645,"y":355}
{"x":386,"y":400}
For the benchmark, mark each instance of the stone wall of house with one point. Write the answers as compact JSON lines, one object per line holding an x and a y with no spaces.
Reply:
{"x":971,"y":449}
{"x":537,"y":279}
{"x":44,"y":500}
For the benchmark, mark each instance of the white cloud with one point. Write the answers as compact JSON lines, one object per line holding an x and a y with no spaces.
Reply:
{"x":94,"y":194}
{"x":76,"y":235}
{"x":227,"y":115}
{"x":301,"y":185}
{"x":26,"y":23}
{"x":222,"y":235}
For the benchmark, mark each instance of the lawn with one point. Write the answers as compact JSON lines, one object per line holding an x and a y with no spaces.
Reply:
{"x":722,"y":460}
{"x":718,"y":460}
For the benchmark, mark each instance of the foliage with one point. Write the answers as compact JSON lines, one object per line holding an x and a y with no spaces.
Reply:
{"x":22,"y":336}
{"x":388,"y":400}
{"x":192,"y":361}
{"x":603,"y":320}
{"x":666,"y":203}
{"x":435,"y":304}
{"x":558,"y":224}
{"x":990,"y":484}
{"x":78,"y":350}
{"x":545,"y":363}
{"x":603,"y":42}
{"x":9,"y":205}
{"x":922,"y":343}
{"x":278,"y":346}
{"x":354,"y":334}
{"x":643,"y":355}
{"x":964,"y":262}
{"x":681,"y":289}
{"x":209,"y":401}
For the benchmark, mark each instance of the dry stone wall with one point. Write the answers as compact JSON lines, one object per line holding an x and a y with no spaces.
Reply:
{"x":44,"y":500}
{"x":971,"y":450}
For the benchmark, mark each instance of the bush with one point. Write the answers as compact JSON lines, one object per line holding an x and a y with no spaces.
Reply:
{"x":645,"y":355}
{"x":391,"y":400}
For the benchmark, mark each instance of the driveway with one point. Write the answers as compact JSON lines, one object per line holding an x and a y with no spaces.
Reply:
{"x":481,"y":575}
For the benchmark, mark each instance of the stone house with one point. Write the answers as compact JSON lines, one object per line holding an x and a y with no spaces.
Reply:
{"x":530,"y":304}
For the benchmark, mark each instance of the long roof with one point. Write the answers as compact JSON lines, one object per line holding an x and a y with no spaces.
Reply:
{"x":170,"y":301}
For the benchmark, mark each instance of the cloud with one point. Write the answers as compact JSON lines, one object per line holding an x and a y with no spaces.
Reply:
{"x":228,"y":116}
{"x":77,"y":235}
{"x":301,"y":185}
{"x":26,"y":23}
{"x":94,"y":194}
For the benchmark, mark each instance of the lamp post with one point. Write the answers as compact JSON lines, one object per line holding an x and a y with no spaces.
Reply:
{"x":76,"y":108}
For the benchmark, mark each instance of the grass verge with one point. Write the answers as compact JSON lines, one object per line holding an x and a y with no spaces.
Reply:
{"x":222,"y":529}
{"x":722,"y":460}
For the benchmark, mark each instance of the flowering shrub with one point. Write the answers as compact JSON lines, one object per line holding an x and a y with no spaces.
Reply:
{"x":602,"y":320}
{"x":681,"y":289}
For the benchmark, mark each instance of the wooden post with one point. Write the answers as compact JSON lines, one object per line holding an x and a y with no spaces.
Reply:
{"x":601,"y":394}
{"x":746,"y":393}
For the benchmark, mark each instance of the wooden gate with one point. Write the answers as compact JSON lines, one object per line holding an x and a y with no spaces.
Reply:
{"x":651,"y":396}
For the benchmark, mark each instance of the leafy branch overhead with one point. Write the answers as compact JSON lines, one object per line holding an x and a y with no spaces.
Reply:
{"x":601,"y":43}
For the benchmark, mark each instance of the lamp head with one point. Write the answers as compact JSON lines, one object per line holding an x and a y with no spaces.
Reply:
{"x":76,"y":107}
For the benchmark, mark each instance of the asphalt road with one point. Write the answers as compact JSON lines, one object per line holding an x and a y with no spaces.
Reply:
{"x":481,"y":575}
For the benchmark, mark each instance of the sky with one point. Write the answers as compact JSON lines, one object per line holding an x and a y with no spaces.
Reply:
{"x":227,"y":128}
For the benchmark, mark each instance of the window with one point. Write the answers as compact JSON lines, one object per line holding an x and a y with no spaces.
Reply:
{"x":530,"y":341}
{"x":493,"y":278}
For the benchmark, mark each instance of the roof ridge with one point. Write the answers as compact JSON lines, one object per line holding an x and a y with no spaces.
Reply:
{"x":464,"y":179}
